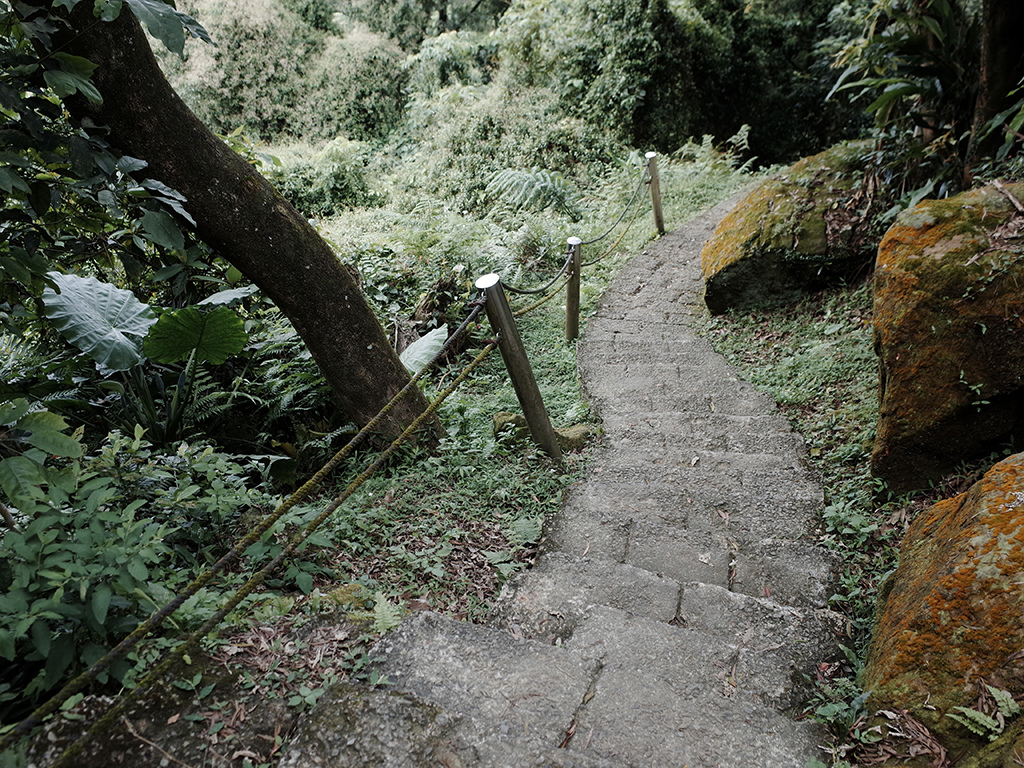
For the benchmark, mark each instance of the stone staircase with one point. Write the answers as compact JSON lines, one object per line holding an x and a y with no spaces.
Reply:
{"x":677,"y":611}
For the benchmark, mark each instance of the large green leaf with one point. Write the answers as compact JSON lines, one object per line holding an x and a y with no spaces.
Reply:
{"x":44,"y":432}
{"x":20,"y":480}
{"x":159,"y":228}
{"x":215,"y":336}
{"x":162,"y":22}
{"x":229,"y":296}
{"x":100,"y":319}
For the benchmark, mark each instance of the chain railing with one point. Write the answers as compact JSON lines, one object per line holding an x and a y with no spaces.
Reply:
{"x":573,"y":264}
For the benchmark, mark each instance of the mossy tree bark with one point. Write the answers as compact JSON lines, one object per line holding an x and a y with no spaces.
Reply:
{"x":242,"y":216}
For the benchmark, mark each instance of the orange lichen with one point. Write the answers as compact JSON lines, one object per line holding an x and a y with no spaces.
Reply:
{"x":954,"y":612}
{"x":944,"y":284}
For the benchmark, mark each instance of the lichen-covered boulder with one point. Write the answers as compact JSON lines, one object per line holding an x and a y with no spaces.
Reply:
{"x":949,"y":333}
{"x":800,"y":231}
{"x":950,"y":632}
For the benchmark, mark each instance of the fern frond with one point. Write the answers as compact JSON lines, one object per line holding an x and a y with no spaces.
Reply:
{"x":1008,"y":707}
{"x":535,"y":190}
{"x":977,"y":722}
{"x":386,"y":615}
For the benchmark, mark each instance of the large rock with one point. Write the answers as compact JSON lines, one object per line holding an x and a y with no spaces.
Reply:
{"x":798,"y":232}
{"x":952,"y":622}
{"x":948,"y":321}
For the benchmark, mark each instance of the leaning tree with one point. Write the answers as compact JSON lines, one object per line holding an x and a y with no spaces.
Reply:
{"x":96,"y":56}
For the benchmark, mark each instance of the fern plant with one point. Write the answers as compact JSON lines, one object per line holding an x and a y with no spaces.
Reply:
{"x":981,"y":724}
{"x":386,"y":615}
{"x":536,"y":190}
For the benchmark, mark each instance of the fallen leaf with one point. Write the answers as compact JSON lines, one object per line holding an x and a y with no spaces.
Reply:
{"x":173,"y":719}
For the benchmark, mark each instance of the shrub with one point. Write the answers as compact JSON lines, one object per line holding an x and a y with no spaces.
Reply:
{"x":624,"y":65}
{"x":410,"y":22}
{"x":324,"y":182}
{"x":468,"y":133}
{"x":659,"y":72}
{"x":354,"y":88}
{"x":96,"y":542}
{"x":454,"y":58}
{"x":284,"y":71}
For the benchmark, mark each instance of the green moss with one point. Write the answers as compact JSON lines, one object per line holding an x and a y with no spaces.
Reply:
{"x":792,"y":235}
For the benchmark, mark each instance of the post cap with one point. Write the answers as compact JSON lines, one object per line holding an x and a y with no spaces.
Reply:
{"x":649,"y":155}
{"x":487,"y":281}
{"x":574,"y":241}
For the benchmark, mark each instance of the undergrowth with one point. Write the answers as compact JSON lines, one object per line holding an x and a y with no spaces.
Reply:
{"x":815,"y":358}
{"x":435,"y":530}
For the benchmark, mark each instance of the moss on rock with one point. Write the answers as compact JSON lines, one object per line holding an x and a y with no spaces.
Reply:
{"x":948,"y":321}
{"x":798,"y":232}
{"x":952,"y":623}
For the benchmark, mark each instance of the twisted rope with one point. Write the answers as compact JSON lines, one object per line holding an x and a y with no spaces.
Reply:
{"x":78,"y":684}
{"x":611,"y":250}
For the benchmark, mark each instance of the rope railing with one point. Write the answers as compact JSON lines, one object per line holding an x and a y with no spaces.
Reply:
{"x":632,"y":199}
{"x":509,"y":343}
{"x":191,"y":643}
{"x":156,"y":620}
{"x":543,"y":288}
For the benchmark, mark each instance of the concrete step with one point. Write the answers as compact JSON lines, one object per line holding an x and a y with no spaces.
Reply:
{"x":622,"y":690}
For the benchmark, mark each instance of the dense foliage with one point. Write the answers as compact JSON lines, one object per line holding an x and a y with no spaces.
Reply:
{"x":916,"y":69}
{"x":153,"y":405}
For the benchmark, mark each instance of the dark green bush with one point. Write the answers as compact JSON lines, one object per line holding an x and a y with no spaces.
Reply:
{"x":657,"y":72}
{"x":319,"y":14}
{"x":623,"y":65}
{"x":410,"y":22}
{"x":468,"y":133}
{"x":98,"y":543}
{"x":285,"y":71}
{"x":453,"y":58}
{"x":355,"y":88}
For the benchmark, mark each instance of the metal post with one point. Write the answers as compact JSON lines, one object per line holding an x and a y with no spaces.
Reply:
{"x":652,"y":168}
{"x":510,"y":344}
{"x":572,"y":291}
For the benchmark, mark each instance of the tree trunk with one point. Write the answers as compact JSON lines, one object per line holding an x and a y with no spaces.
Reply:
{"x":242,"y":217}
{"x":1002,"y":67}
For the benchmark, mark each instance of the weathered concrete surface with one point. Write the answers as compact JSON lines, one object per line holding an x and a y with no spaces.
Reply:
{"x":678,"y":598}
{"x":948,"y":317}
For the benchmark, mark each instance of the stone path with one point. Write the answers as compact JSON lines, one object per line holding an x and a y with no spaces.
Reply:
{"x":678,"y":601}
